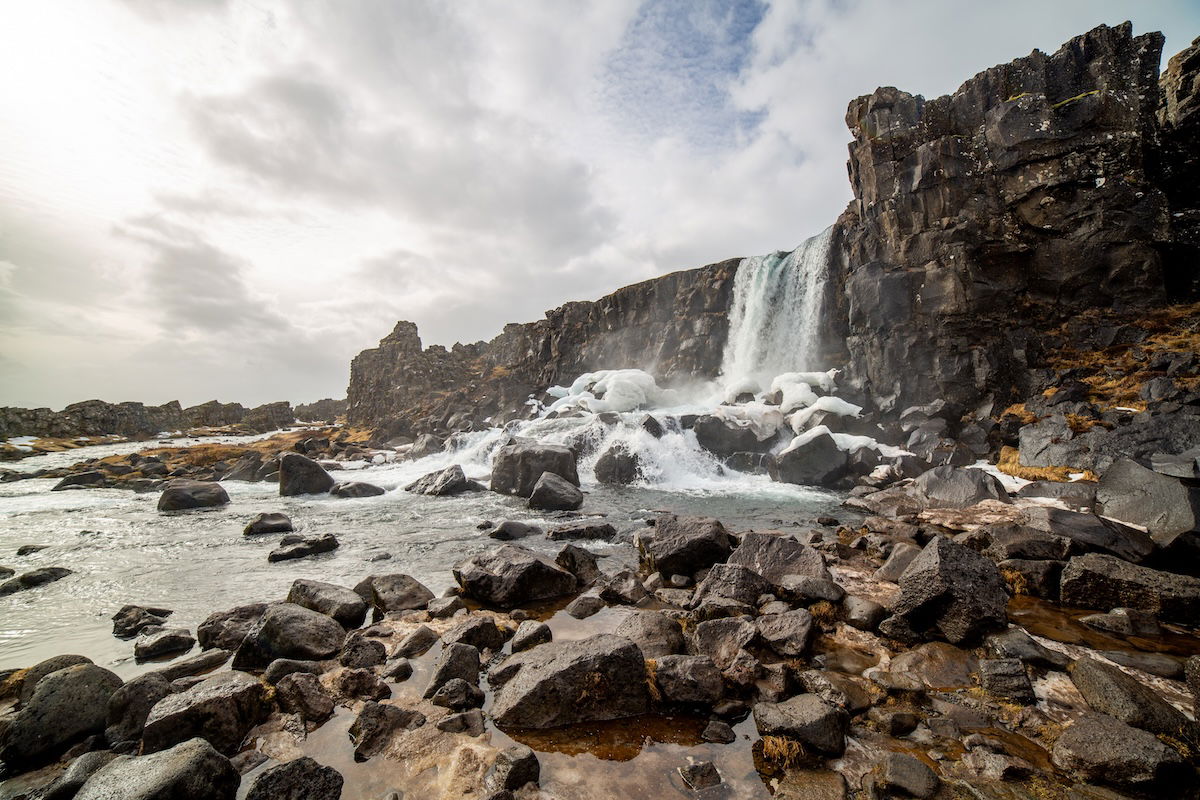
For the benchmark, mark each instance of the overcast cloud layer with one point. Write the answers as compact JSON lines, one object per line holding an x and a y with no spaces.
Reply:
{"x":221,"y":199}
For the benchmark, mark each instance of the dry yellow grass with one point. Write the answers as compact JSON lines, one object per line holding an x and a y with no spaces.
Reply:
{"x":782,"y":752}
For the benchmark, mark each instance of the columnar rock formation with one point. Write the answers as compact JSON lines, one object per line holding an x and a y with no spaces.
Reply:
{"x":674,"y":326}
{"x":980,"y":221}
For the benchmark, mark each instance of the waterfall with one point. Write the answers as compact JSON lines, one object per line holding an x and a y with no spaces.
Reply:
{"x":775,"y":320}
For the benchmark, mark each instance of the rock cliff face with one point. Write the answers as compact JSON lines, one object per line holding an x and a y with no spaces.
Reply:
{"x":981,"y":221}
{"x":97,"y":418}
{"x":1035,"y":191}
{"x":674,"y":326}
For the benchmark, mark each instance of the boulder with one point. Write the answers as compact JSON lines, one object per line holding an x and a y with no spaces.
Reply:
{"x":456,"y":661}
{"x":937,"y":665}
{"x":681,"y":545}
{"x":618,"y":466}
{"x":91,"y":477}
{"x":1109,"y":690}
{"x":360,"y":684}
{"x":1089,"y":532}
{"x":816,"y":723}
{"x":393,"y":592}
{"x":949,"y":591}
{"x":582,"y":529}
{"x":530,"y":633}
{"x":191,"y":770}
{"x":353,"y":489}
{"x":416,"y":643}
{"x":511,"y":529}
{"x":360,"y":653}
{"x":723,"y":438}
{"x":957,"y":487}
{"x":163,"y":642}
{"x":721,"y":639}
{"x":301,"y":475}
{"x":907,"y":776}
{"x":861,"y":613}
{"x":1078,"y":495}
{"x":227,"y":629}
{"x":511,"y":576}
{"x":515,"y":767}
{"x":305,"y":546}
{"x":68,"y":784}
{"x":590,"y":680}
{"x":180,"y":495}
{"x":655,"y":634}
{"x":517,"y":468}
{"x":1097,"y":748}
{"x":688,"y":679}
{"x":268,"y":522}
{"x":376,"y":723}
{"x":1016,"y":643}
{"x":1161,"y":504}
{"x":445,"y":607}
{"x":194,"y":665}
{"x":732,"y":582}
{"x":130,"y":620}
{"x":280,"y":668}
{"x":818,"y":461}
{"x":129,"y":706}
{"x":33,"y":579}
{"x":221,"y":710}
{"x":623,"y":588}
{"x":481,"y":632}
{"x":343,"y":604}
{"x":441,"y":483}
{"x":554,"y":493}
{"x":300,"y":779}
{"x":286,"y":630}
{"x":897,"y":561}
{"x":579,"y":562}
{"x":1006,"y":677}
{"x":776,"y":556}
{"x":301,"y":693}
{"x":245,"y":468}
{"x":65,"y":706}
{"x":788,"y":634}
{"x":457,"y":695}
{"x":1104,"y":582}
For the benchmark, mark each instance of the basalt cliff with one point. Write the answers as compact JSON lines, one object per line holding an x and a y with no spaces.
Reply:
{"x":1042,"y":191}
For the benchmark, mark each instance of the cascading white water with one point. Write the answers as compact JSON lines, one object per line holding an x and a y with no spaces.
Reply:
{"x":775,"y":320}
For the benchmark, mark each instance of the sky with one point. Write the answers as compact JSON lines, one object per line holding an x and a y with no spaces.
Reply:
{"x":229,"y":199}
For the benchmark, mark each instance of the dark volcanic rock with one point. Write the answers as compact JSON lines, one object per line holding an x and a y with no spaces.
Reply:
{"x":679,"y":545}
{"x":268,"y":522}
{"x":1097,"y":748}
{"x":579,"y":562}
{"x":481,"y":632}
{"x":815,"y":722}
{"x":594,"y":679}
{"x":688,"y":679}
{"x":618,"y":465}
{"x":361,"y":653}
{"x":130,"y":620}
{"x":163,"y":642}
{"x":816,"y":462}
{"x":955,"y":487}
{"x":1160,"y":504}
{"x":776,"y":556}
{"x":129,"y":706}
{"x":191,"y":770}
{"x":394,"y":592}
{"x":456,"y":661}
{"x":554,"y":493}
{"x":654,"y":633}
{"x":949,"y":591}
{"x":227,"y":629}
{"x":1111,"y":691}
{"x":441,"y":483}
{"x":301,"y":475}
{"x":286,"y":630}
{"x":788,"y":634}
{"x":723,"y":437}
{"x":511,"y":576}
{"x":221,"y":709}
{"x":376,"y":723}
{"x":301,"y":779}
{"x":1104,"y":582}
{"x":301,"y":693}
{"x":65,"y":706}
{"x":33,"y":579}
{"x":354,"y":489}
{"x":517,"y":468}
{"x":582,"y":529}
{"x":181,"y":494}
{"x":721,"y":639}
{"x":1089,"y":532}
{"x":335,"y":601}
{"x":304,"y":547}
{"x":732,"y":582}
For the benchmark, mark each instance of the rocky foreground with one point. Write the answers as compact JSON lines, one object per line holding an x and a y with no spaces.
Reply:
{"x":959,"y":642}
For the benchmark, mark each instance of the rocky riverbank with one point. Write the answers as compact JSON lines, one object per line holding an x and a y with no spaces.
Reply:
{"x":960,"y":642}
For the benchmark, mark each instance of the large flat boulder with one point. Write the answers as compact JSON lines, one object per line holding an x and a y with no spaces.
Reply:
{"x":956,"y":487}
{"x":775,"y":556}
{"x":393,"y":592}
{"x":1097,"y":748}
{"x":1159,"y":503}
{"x":442,"y":483}
{"x":948,"y":591}
{"x":227,"y":629}
{"x":681,"y":545}
{"x":221,"y":710}
{"x":1112,"y":691}
{"x":286,"y":630}
{"x":1090,"y":533}
{"x":510,"y":576}
{"x":1105,"y":582}
{"x":191,"y":770}
{"x":516,"y":468}
{"x":590,"y":680}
